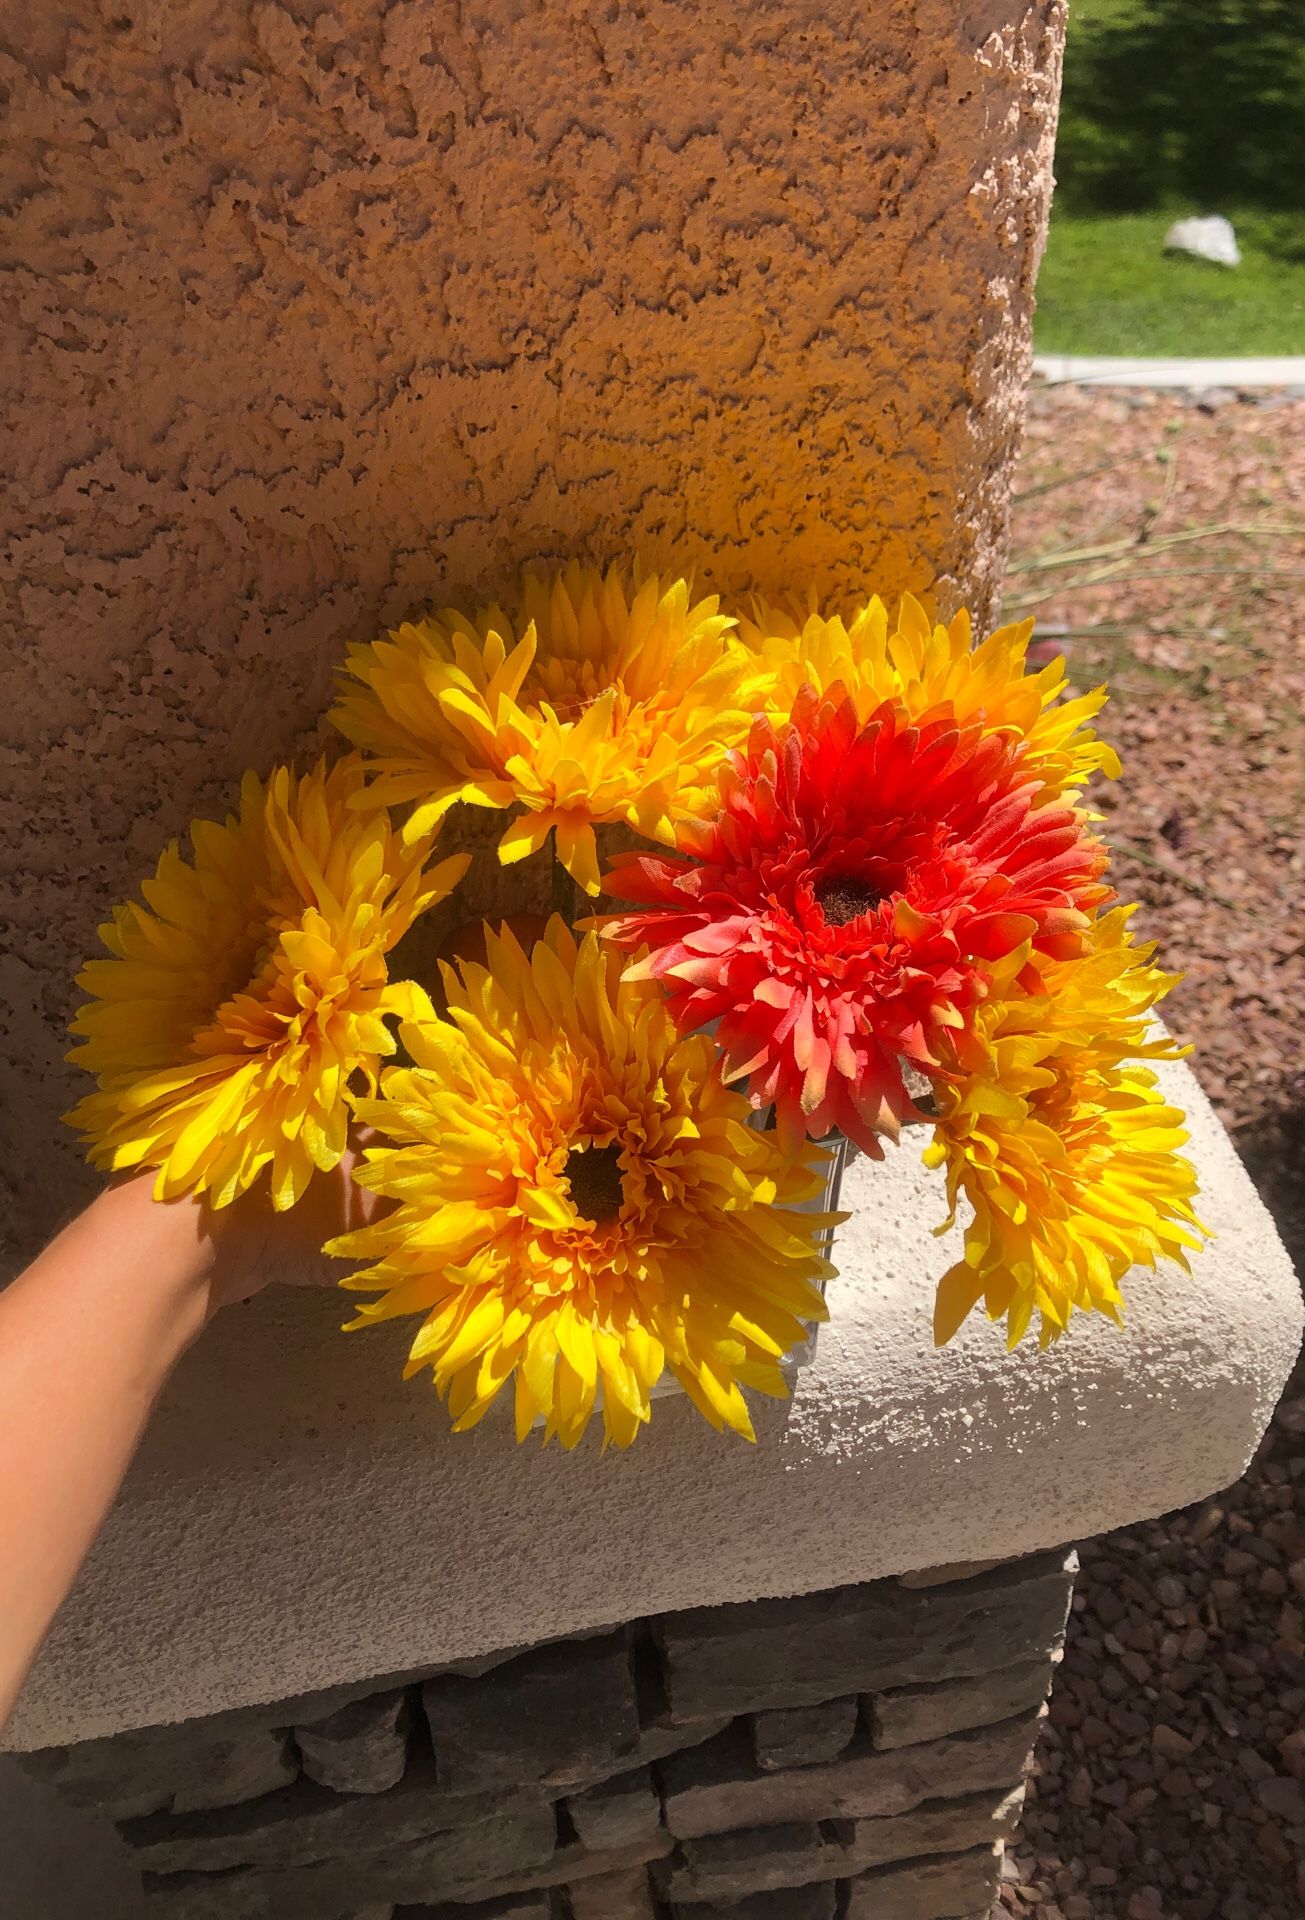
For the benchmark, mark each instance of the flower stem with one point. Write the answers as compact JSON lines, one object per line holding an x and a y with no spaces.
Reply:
{"x":568,"y":898}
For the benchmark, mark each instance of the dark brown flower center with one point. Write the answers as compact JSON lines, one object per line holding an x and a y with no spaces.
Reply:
{"x":595,"y":1177}
{"x":845,"y":896}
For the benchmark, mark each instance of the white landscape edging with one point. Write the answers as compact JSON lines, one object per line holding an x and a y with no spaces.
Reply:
{"x":1059,"y":369}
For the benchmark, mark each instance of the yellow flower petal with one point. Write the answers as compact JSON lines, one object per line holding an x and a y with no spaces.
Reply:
{"x":1061,"y":1142}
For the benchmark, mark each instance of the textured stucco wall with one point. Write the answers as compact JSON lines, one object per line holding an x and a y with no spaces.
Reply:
{"x":313,"y":312}
{"x":299,"y":1518}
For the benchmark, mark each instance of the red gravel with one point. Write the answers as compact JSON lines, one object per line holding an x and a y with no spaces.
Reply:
{"x":1171,"y":1782}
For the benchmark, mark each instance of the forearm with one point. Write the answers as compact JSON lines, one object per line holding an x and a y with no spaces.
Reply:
{"x":88,"y":1335}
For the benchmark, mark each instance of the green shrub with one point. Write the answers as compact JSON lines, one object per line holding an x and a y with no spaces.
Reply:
{"x":1191,"y":103}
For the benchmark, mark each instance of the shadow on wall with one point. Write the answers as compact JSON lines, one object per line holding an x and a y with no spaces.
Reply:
{"x":1166,"y":101}
{"x":60,"y":1861}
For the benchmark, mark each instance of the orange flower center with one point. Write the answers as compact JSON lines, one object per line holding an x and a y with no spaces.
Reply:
{"x":1070,"y":1107}
{"x":570,"y":686}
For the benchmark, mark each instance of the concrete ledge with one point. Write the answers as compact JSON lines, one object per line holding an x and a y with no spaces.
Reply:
{"x":300,"y":1518}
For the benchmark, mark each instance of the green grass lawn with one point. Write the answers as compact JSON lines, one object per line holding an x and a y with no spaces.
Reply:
{"x":1173,"y":108}
{"x":1106,"y":286}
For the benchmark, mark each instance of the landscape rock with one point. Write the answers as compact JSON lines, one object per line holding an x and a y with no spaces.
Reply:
{"x":1284,"y":1798}
{"x":1170,"y":1744}
{"x":1208,"y":238}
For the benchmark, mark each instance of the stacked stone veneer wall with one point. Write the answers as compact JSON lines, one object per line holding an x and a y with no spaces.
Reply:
{"x":849,"y":1755}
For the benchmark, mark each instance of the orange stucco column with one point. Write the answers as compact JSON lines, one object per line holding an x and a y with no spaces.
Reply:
{"x":325,"y":310}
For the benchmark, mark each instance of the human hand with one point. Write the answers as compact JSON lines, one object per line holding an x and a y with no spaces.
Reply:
{"x":89,"y":1332}
{"x":253,"y":1245}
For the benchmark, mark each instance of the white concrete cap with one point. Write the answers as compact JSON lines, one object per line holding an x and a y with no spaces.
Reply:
{"x":299,"y":1517}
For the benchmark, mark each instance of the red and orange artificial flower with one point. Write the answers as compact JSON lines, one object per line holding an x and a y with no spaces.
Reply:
{"x":841,"y":912}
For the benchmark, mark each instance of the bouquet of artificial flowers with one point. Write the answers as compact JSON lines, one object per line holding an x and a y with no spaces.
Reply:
{"x":857,"y":865}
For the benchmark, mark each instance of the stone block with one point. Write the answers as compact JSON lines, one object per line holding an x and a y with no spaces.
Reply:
{"x":235,"y":1771}
{"x":157,"y":1768}
{"x":906,"y":1715}
{"x":613,"y":1896}
{"x":817,"y":1647}
{"x":803,"y":1736}
{"x":728,"y":1866}
{"x":948,"y":1889}
{"x":221,"y":1760}
{"x":306,"y":1822}
{"x":659,"y":1741}
{"x":755,"y":1859}
{"x":460,"y":1864}
{"x":654,"y":1743}
{"x":517,"y":1906}
{"x":819,"y":1901}
{"x":218,"y":1761}
{"x":937,"y":1827}
{"x":619,"y":1812}
{"x":360,"y":1748}
{"x":718,"y":1787}
{"x":238,"y":1754}
{"x":571,"y":1864}
{"x":558,"y":1717}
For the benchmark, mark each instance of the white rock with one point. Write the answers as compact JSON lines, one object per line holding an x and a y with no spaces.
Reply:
{"x":1209,"y":239}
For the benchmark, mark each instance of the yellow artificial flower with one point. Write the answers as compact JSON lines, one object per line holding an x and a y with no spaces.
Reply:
{"x":921,"y":665}
{"x":582,"y":1202}
{"x":244,"y":996}
{"x":1060,"y":1140}
{"x":587,"y":706}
